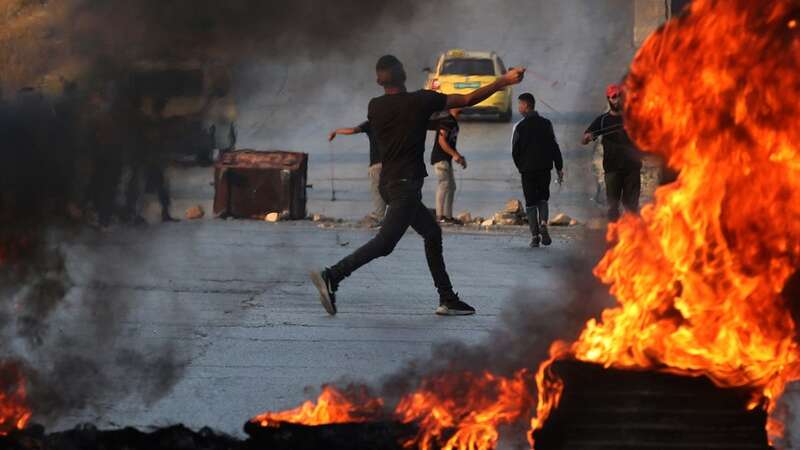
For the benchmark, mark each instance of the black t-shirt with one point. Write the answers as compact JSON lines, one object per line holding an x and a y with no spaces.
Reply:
{"x":374,"y":153}
{"x":400,"y":125}
{"x":450,"y":126}
{"x":619,"y":152}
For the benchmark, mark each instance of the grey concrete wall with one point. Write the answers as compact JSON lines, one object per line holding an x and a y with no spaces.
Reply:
{"x":648,"y":15}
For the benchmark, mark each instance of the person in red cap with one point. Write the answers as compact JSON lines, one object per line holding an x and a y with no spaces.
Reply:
{"x":622,"y":162}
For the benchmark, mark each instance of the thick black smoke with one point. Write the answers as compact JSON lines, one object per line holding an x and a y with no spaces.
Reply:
{"x":54,"y":37}
{"x":231,"y":28}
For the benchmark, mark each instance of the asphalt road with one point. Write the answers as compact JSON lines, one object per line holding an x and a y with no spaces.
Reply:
{"x":234,"y":300}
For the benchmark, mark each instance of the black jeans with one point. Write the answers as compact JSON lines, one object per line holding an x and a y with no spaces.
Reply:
{"x":622,"y":186}
{"x":404,"y":198}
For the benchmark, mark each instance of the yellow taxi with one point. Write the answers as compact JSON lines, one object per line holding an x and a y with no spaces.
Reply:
{"x":460,"y":71}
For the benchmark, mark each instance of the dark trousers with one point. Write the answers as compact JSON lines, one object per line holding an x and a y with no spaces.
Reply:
{"x":147,"y":177}
{"x":622,"y":187}
{"x":404,"y":198}
{"x":102,"y":187}
{"x":536,"y":189}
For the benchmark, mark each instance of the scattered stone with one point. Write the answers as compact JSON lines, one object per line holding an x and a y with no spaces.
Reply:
{"x":272,"y":217}
{"x":561,"y":220}
{"x":506,"y":218}
{"x":514,"y":206}
{"x":465,"y":217}
{"x":195,"y":212}
{"x":573,"y":222}
{"x":487,"y":223}
{"x":597,"y":224}
{"x":369,"y":222}
{"x":322,"y":218}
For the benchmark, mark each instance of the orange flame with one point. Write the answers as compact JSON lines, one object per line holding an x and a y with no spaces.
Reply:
{"x":473,"y":405}
{"x":456,"y":410}
{"x":699,"y":276}
{"x":13,"y":410}
{"x":332,"y":406}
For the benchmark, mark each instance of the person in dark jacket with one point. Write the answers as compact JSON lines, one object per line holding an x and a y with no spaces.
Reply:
{"x":535,"y":152}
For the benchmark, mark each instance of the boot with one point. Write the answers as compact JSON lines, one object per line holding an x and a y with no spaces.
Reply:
{"x":544,"y":212}
{"x":533,"y":223}
{"x":545,"y":235}
{"x":544,"y":217}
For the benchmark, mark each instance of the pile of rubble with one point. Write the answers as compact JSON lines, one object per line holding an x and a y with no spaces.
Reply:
{"x":512,"y":214}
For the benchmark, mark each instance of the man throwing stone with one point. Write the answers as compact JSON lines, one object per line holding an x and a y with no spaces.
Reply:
{"x":399,"y":120}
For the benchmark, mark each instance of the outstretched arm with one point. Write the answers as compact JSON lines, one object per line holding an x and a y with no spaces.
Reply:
{"x":348,"y":131}
{"x":513,"y":76}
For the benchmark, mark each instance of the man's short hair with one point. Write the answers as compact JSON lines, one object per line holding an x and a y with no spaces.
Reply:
{"x":528,"y":98}
{"x":390,"y":71}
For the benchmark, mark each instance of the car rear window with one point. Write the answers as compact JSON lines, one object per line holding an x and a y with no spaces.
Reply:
{"x":467,"y":66}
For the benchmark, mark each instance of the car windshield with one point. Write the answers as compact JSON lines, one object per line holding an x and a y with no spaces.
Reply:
{"x":467,"y":66}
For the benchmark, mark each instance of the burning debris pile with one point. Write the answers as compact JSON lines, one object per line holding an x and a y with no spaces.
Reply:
{"x":14,"y":413}
{"x":629,"y":410}
{"x":88,"y":437}
{"x":449,"y":411}
{"x":699,"y":276}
